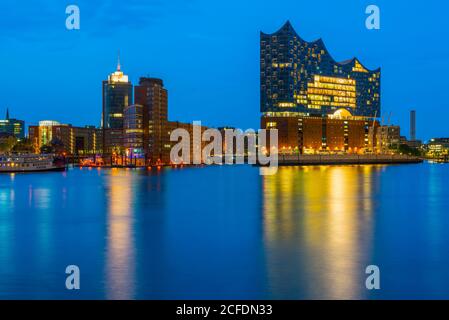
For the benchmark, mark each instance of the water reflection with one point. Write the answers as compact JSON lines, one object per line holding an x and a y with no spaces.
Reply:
{"x":7,"y":198}
{"x":317,"y":221}
{"x":226,"y":232}
{"x":120,"y":248}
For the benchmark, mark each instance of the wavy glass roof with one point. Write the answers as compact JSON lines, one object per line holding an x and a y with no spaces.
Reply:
{"x":288,"y":28}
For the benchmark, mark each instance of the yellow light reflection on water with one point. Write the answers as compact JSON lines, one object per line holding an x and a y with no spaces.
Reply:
{"x":7,"y":230}
{"x":120,"y":246}
{"x":315,"y":219}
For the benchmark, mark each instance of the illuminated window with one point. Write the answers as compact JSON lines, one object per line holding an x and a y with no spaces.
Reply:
{"x":332,"y":92}
{"x":359,"y":68}
{"x":286,"y":104}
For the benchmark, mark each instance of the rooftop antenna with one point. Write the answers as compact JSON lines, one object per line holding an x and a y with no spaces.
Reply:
{"x":118,"y":61}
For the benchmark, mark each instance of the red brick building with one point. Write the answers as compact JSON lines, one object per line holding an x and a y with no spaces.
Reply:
{"x":299,"y":134}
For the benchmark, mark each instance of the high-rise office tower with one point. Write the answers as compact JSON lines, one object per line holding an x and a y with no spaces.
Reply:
{"x":151,"y":94}
{"x":117,"y":95}
{"x":413,"y":125}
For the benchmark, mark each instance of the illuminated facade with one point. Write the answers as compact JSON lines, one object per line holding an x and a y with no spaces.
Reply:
{"x":438,"y":146}
{"x":309,"y":135}
{"x":12,"y":127}
{"x":136,"y":129}
{"x":117,"y":95}
{"x":301,"y":78}
{"x":316,"y":103}
{"x":146,"y":126}
{"x":75,"y":140}
{"x":42,"y":134}
{"x":389,"y":136}
{"x":153,"y":97}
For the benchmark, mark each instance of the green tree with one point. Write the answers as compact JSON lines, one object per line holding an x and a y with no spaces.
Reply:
{"x":7,"y":144}
{"x":23,"y":146}
{"x":405,"y":149}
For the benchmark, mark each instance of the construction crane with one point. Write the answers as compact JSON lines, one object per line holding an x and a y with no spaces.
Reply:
{"x":373,"y":129}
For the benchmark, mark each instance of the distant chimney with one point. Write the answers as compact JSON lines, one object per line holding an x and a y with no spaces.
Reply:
{"x":413,"y":125}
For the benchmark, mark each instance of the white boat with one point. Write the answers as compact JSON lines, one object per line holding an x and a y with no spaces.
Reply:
{"x":30,"y":163}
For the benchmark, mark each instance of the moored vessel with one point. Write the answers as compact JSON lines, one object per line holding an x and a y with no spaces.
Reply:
{"x":31,"y":163}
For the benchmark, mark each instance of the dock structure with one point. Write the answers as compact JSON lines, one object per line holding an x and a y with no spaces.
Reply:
{"x":346,"y":159}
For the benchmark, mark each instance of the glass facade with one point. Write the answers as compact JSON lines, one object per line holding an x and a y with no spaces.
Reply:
{"x":134,"y":127}
{"x":12,"y":127}
{"x":75,"y":140}
{"x":117,"y":95}
{"x":301,"y":78}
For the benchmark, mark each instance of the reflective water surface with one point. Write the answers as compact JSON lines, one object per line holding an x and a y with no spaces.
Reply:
{"x":226,"y":232}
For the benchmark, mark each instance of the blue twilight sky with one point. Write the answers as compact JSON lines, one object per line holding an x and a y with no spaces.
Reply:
{"x":207,"y":53}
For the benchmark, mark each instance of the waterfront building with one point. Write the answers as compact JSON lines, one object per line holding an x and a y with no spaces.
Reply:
{"x":146,"y":126}
{"x":302,"y":77}
{"x":389,"y":137}
{"x":416,"y":144}
{"x":170,"y":127}
{"x":87,"y":140}
{"x":71,"y":140}
{"x":311,"y":135}
{"x":136,"y":129}
{"x":438,"y":146}
{"x":145,"y":130}
{"x":117,"y":95}
{"x":224,"y":146}
{"x":153,"y":97}
{"x":42,"y":134}
{"x":13,"y":127}
{"x":196,"y":143}
{"x":315,"y":102}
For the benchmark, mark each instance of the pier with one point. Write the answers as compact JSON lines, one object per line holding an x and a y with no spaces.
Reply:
{"x":346,"y":159}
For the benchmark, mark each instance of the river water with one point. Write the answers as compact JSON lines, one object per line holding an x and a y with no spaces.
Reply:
{"x":226,"y":232}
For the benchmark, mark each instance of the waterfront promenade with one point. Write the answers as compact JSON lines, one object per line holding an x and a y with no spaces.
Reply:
{"x":293,"y":160}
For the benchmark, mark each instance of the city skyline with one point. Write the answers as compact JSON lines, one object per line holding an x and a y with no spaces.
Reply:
{"x":224,"y":157}
{"x":78,"y":61}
